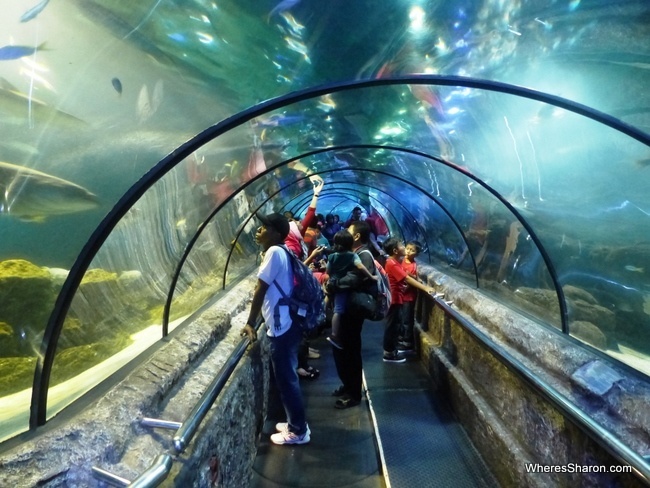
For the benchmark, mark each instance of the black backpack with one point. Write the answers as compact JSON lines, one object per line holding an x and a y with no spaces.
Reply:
{"x":306,"y":299}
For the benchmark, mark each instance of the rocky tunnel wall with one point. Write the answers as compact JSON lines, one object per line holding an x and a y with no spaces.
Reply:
{"x":511,"y":424}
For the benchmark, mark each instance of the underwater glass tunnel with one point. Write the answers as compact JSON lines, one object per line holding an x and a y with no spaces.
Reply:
{"x":139,"y":139}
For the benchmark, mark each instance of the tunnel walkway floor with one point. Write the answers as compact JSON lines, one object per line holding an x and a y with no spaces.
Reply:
{"x":419,"y":443}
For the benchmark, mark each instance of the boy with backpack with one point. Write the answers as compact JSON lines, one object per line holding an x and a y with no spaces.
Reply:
{"x":275,"y":284}
{"x":399,"y":280}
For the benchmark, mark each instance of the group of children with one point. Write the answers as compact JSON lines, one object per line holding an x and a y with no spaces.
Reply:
{"x":402,"y":271}
{"x":335,"y":263}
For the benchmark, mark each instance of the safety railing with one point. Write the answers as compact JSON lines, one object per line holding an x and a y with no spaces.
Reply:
{"x":162,"y":465}
{"x":617,"y":448}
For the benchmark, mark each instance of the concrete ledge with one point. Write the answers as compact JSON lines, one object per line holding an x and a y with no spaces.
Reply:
{"x":509,"y":423}
{"x":108,"y":434}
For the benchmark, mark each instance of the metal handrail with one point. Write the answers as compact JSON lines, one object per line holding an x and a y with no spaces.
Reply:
{"x":191,"y":424}
{"x":187,"y":429}
{"x":153,"y":476}
{"x":612,"y":444}
{"x":162,"y":465}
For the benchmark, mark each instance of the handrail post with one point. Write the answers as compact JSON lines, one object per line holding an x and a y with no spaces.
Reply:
{"x":109,"y":478}
{"x":160,"y":424}
{"x":153,"y":476}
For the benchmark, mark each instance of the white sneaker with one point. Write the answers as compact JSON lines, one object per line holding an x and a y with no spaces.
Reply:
{"x":287,"y":437}
{"x":284,"y":426}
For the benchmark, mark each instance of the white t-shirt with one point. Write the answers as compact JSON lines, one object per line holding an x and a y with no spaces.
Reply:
{"x":276,"y":266}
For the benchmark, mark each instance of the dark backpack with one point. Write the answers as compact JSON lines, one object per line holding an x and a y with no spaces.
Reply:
{"x":383,"y":291}
{"x":306,"y":300}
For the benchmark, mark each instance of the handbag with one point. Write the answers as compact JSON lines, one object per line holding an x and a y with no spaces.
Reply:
{"x":362,"y":303}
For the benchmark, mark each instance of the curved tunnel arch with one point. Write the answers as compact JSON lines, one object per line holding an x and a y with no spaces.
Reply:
{"x":303,"y":204}
{"x":303,"y":201}
{"x":261,"y":205}
{"x":80,"y":266}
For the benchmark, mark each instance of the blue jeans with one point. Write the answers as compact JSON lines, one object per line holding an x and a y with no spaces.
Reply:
{"x":284,"y":356}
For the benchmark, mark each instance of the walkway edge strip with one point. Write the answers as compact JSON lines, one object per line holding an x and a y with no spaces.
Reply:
{"x":380,"y":448}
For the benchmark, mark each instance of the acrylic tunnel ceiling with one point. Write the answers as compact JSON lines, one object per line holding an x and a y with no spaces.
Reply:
{"x":509,"y":138}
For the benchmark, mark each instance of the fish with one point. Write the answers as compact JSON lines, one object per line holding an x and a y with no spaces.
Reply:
{"x":295,"y":26}
{"x":32,"y":196}
{"x":643,"y":163}
{"x":18,"y":105}
{"x":298,"y":47}
{"x":34,"y":11}
{"x":143,"y":106}
{"x":281,"y":7}
{"x":19,"y":147}
{"x":117,"y":84}
{"x":326,"y":103}
{"x":428,"y":96}
{"x":147,"y":106}
{"x":16,"y":52}
{"x":157,"y":96}
{"x":634,"y":269}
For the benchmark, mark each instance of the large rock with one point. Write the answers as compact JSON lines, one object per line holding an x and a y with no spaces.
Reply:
{"x":27,"y":295}
{"x":589,"y":333}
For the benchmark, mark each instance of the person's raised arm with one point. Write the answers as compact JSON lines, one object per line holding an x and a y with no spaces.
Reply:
{"x":310,"y":216}
{"x":373,"y":242}
{"x":314,"y":254}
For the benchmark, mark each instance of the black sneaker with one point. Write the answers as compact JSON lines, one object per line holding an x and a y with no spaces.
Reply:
{"x":393,"y":357}
{"x":405,"y":346}
{"x":340,"y":391}
{"x":346,"y":402}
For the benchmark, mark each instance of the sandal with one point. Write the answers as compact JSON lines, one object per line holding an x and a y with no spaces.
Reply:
{"x":308,"y":373}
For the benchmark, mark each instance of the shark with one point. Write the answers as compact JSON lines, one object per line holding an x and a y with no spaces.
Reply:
{"x":31,"y":195}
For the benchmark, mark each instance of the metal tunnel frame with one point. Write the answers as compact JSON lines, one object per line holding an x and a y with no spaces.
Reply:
{"x":496,"y":194}
{"x":45,"y":357}
{"x":327,"y":191}
{"x":302,"y":200}
{"x":254,"y":212}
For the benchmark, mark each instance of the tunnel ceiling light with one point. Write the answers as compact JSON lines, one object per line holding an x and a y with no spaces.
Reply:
{"x":392,"y":130}
{"x":416,"y":16}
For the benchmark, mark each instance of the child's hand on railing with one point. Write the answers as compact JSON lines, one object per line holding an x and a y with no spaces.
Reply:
{"x":434,"y":293}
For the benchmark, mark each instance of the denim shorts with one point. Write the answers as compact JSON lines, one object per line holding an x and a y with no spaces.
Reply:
{"x":340,"y":301}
